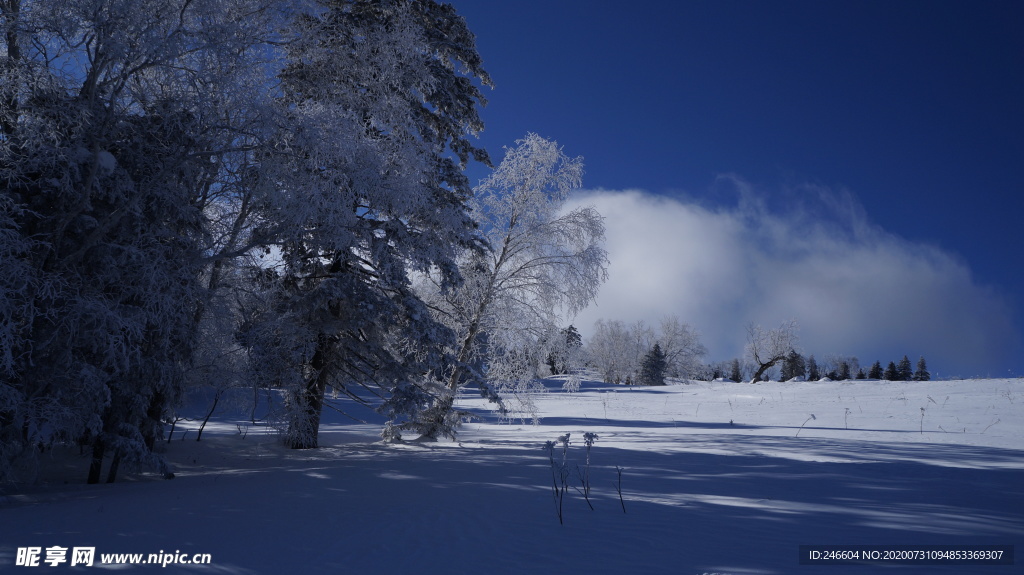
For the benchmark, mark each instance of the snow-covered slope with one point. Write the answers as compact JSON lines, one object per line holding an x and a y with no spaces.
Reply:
{"x":716,"y":478}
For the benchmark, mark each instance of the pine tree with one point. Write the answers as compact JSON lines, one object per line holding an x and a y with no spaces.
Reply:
{"x":113,"y":135}
{"x":812,"y":369}
{"x":573,"y":339}
{"x":890,"y":373}
{"x":793,"y":366}
{"x":566,"y":351}
{"x":381,"y":102}
{"x":734,"y":371}
{"x":844,"y":371}
{"x":922,"y":371}
{"x":876,"y":371}
{"x":861,"y":374}
{"x":903,"y":371}
{"x":552,"y":363}
{"x":652,"y":370}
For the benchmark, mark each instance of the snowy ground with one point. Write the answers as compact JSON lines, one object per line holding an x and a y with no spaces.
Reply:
{"x":717,"y":478}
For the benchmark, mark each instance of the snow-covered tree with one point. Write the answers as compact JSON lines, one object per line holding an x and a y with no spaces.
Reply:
{"x":111,"y":147}
{"x":541,"y":262}
{"x":379,"y":101}
{"x":566,"y":349}
{"x":610,"y":350}
{"x":765,"y":348}
{"x":617,"y":350}
{"x":844,"y":371}
{"x":682,"y":347}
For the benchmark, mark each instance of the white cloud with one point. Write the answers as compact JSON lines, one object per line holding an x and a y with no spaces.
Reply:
{"x":854,"y":288}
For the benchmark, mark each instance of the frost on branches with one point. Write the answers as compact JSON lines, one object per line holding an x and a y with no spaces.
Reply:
{"x":379,"y":101}
{"x":618,"y":351}
{"x":540,"y":262}
{"x":766,"y":348}
{"x":152,"y":150}
{"x":113,"y":140}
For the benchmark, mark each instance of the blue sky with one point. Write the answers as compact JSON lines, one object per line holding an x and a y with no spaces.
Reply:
{"x":877,"y":144}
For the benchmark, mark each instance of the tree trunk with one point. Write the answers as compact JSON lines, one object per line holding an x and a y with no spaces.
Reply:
{"x":303,"y":432}
{"x":216,"y":398}
{"x":8,"y":120}
{"x":98,"y":448}
{"x":443,"y":405}
{"x":153,"y":422}
{"x":763,"y":368}
{"x":114,"y":464}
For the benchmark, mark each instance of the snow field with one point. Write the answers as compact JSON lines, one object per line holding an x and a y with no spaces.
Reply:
{"x":718,"y":477}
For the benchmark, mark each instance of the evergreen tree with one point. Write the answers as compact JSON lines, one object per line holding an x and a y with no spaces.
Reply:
{"x":552,"y":363}
{"x":573,"y":339}
{"x":903,"y":371}
{"x":652,"y":370}
{"x":844,"y":371}
{"x":379,"y":103}
{"x":734,"y":371}
{"x":812,"y":369}
{"x":861,"y":374}
{"x":890,"y":373}
{"x":922,"y":371}
{"x":567,"y":351}
{"x":876,"y":371}
{"x":115,"y":132}
{"x":793,"y":366}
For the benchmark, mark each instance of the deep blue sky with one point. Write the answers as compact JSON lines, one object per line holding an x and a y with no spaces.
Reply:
{"x":916,"y":109}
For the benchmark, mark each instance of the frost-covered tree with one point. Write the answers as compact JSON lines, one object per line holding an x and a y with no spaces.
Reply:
{"x":682,"y":347}
{"x":610,"y":350}
{"x":111,"y":148}
{"x":921,"y":373}
{"x":844,"y":370}
{"x":765,"y":348}
{"x":617,"y":350}
{"x":541,"y":262}
{"x":653,"y":366}
{"x":379,"y":100}
{"x":566,"y":348}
